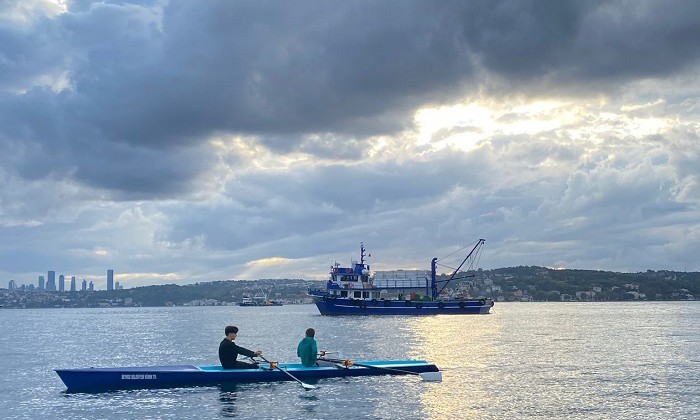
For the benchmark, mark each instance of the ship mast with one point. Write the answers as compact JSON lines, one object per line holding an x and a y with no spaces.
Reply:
{"x":434,"y":283}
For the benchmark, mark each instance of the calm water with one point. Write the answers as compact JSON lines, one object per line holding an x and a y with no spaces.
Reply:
{"x":526,"y":360}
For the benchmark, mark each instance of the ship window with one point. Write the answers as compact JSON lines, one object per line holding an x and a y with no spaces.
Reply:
{"x":357,"y":294}
{"x":375,"y":295}
{"x":344,"y":293}
{"x":365,"y":295}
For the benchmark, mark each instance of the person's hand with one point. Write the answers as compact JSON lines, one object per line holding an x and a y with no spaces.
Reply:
{"x":258,"y":353}
{"x":322,"y":353}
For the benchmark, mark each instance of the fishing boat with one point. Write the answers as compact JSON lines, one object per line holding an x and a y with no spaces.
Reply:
{"x":259,"y":300}
{"x":107,"y":379}
{"x":351,"y":291}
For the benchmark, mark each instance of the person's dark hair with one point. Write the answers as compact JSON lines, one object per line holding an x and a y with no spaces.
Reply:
{"x":231,"y":329}
{"x":310,"y":332}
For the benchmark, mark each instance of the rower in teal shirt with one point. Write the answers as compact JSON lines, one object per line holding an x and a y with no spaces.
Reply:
{"x":307,"y":349}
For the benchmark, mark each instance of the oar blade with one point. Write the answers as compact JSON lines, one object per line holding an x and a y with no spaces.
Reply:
{"x":303,"y":384}
{"x":431,"y":376}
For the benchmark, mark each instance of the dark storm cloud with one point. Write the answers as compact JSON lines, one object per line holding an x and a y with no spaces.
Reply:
{"x":160,"y":80}
{"x":138,"y":173}
{"x":280,"y":68}
{"x":583,"y":42}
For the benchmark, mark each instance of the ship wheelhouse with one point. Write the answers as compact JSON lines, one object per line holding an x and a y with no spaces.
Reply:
{"x":352,"y":282}
{"x":365,"y":294}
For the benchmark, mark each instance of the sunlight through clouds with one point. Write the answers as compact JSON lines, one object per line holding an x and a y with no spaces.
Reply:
{"x":263,"y":268}
{"x":458,"y":126}
{"x":24,"y":11}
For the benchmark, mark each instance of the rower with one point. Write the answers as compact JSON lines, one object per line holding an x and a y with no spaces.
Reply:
{"x":229,"y":351}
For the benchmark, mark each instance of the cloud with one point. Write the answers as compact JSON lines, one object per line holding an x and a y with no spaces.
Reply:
{"x":187,"y":140}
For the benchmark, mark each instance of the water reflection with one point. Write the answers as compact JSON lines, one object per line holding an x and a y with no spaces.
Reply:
{"x":464,"y":349}
{"x":309,"y":402}
{"x":228,"y":394}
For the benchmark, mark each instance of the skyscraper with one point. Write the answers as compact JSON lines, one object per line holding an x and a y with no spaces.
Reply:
{"x":84,"y":285}
{"x":41,"y":282}
{"x":61,"y":283}
{"x":110,"y":279}
{"x":12,"y":285}
{"x":72,"y":283}
{"x":92,"y":286}
{"x":51,"y":284}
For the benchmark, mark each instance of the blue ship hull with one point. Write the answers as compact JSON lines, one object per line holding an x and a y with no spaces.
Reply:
{"x":336,"y":306}
{"x":107,"y":379}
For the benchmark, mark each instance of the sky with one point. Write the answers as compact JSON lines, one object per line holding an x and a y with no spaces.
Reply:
{"x":188,"y":141}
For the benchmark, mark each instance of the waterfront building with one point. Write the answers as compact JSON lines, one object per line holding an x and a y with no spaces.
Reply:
{"x":84,"y":285}
{"x":117,"y":286}
{"x":72,"y":283}
{"x":61,"y":283}
{"x":12,"y":285}
{"x":92,"y":286}
{"x":51,"y":284}
{"x":41,"y":283}
{"x":110,"y":279}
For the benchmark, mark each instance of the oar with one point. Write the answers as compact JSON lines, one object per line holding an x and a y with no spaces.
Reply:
{"x":426,"y":376}
{"x":305,"y":385}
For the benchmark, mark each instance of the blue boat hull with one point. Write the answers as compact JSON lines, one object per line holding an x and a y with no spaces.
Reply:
{"x":337,"y":306}
{"x":107,"y":379}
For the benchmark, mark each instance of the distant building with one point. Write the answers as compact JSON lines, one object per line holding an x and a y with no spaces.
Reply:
{"x":84,"y":286}
{"x":110,"y":279}
{"x":41,"y":283}
{"x":117,"y":286}
{"x":12,"y":285}
{"x":72,"y":283}
{"x":51,"y":283}
{"x":61,"y":283}
{"x":92,"y":286}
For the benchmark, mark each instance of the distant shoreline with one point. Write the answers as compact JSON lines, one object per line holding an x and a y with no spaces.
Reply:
{"x":523,"y":284}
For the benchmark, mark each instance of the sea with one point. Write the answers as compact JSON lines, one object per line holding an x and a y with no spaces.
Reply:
{"x":631,"y":360}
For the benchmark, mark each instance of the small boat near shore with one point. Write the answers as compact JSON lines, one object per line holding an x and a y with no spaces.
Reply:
{"x":351,"y":291}
{"x":108,"y":379}
{"x":259,"y":300}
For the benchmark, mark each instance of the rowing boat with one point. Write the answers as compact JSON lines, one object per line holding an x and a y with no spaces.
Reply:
{"x":107,"y":379}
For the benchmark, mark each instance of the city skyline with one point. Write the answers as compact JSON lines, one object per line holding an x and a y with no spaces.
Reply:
{"x":61,"y":286}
